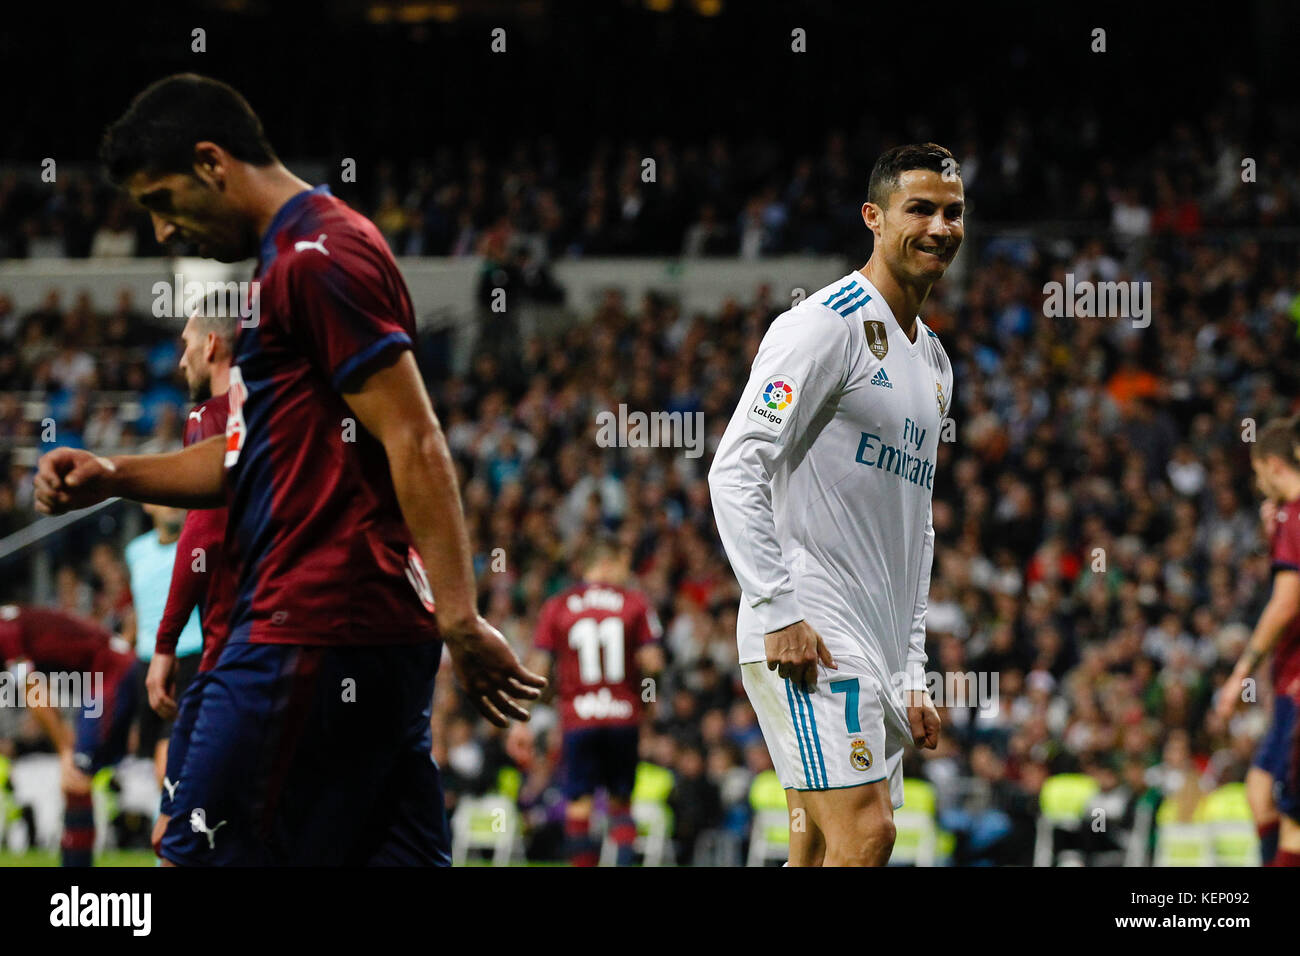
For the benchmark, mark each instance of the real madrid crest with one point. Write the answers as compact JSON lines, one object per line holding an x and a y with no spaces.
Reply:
{"x":859,"y":755}
{"x":877,"y":337}
{"x":938,"y":390}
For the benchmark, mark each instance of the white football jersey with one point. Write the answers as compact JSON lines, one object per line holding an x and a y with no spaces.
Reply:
{"x":822,"y":483}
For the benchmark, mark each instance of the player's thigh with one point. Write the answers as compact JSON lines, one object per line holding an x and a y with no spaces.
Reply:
{"x":829,"y":736}
{"x":220,"y":778}
{"x":619,"y":755}
{"x":852,"y":819}
{"x":187,"y":709}
{"x":807,"y":843}
{"x":1286,"y":785}
{"x":102,"y":731}
{"x":404,"y":821}
{"x":580,"y":757}
{"x":1259,"y":795}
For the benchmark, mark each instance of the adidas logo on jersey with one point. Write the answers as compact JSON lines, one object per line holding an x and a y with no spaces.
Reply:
{"x":881,"y":379}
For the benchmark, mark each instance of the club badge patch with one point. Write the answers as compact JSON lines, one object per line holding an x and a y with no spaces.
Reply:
{"x":774,"y":403}
{"x":859,"y":755}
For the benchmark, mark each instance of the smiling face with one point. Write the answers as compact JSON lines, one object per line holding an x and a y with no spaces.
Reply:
{"x":189,"y":210}
{"x":920,"y":229}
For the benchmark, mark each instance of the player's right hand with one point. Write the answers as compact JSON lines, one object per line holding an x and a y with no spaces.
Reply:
{"x":1225,"y":702}
{"x":160,"y":682}
{"x":71,"y":478}
{"x":490,"y":673}
{"x":794,"y":652}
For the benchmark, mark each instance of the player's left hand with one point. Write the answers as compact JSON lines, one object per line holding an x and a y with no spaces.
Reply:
{"x":490,"y":673}
{"x":160,"y":682}
{"x":923,"y":719}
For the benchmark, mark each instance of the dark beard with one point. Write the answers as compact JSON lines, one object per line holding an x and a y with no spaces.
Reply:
{"x":201,"y":391}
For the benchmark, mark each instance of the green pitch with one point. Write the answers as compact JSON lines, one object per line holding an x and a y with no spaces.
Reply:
{"x":108,"y":858}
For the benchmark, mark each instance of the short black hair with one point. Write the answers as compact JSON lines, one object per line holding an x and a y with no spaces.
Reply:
{"x":158,"y":131}
{"x":894,"y":162}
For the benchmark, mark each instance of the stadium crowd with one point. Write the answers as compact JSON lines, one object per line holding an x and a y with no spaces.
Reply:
{"x":728,"y":196}
{"x":1098,"y":543}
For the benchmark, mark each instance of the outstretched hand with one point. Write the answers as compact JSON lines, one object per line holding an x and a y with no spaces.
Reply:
{"x":490,"y":672}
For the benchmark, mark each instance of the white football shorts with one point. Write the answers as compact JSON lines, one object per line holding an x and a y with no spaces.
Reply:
{"x":831,"y":736}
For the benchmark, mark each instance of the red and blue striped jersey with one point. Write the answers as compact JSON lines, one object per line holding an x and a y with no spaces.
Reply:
{"x":200,"y":576}
{"x":315,"y":535}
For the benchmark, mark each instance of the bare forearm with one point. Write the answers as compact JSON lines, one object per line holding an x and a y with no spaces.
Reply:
{"x":1268,"y":629}
{"x":425,"y":481}
{"x":190,"y":478}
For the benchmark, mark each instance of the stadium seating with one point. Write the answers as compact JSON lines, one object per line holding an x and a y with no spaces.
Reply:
{"x":917,"y":839}
{"x":652,"y":815}
{"x":1227,"y":813}
{"x":1182,"y":842}
{"x":35,"y":779}
{"x":1062,"y":802}
{"x":490,"y":822}
{"x":769,"y":837}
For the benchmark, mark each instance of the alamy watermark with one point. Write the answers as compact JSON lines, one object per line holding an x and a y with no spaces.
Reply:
{"x":956,"y":689}
{"x":626,"y":429}
{"x":1086,"y":299}
{"x":231,"y":299}
{"x":61,"y":689}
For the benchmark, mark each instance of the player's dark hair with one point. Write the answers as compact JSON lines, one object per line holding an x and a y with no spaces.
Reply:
{"x":158,"y":131}
{"x":1278,"y":439}
{"x":600,"y":547}
{"x":894,"y":162}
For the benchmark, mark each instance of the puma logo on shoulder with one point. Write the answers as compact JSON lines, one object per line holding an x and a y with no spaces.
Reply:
{"x":304,"y":244}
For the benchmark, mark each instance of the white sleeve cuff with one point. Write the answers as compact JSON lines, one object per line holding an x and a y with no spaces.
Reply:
{"x":779,"y":611}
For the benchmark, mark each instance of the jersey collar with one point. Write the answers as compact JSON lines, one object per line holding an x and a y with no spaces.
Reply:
{"x":282,"y":217}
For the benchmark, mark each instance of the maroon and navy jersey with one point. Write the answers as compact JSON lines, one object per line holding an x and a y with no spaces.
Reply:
{"x":1285,"y":553}
{"x":54,"y":640}
{"x":593,"y":632}
{"x":200,"y":576}
{"x":321,"y":551}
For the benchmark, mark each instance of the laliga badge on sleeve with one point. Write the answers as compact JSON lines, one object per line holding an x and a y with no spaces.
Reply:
{"x":775,"y":401}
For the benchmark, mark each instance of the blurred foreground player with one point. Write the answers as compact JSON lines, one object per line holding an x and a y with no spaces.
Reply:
{"x":311,"y":744}
{"x":1273,"y":781}
{"x":198,"y":577}
{"x":821,"y":488}
{"x":149,"y":559}
{"x":57,"y":646}
{"x":602,"y":639}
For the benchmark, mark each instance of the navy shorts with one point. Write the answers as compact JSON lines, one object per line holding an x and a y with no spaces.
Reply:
{"x":595,"y":757}
{"x":1279,"y":755}
{"x":102,"y":739}
{"x":187,"y":709}
{"x":308,"y":756}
